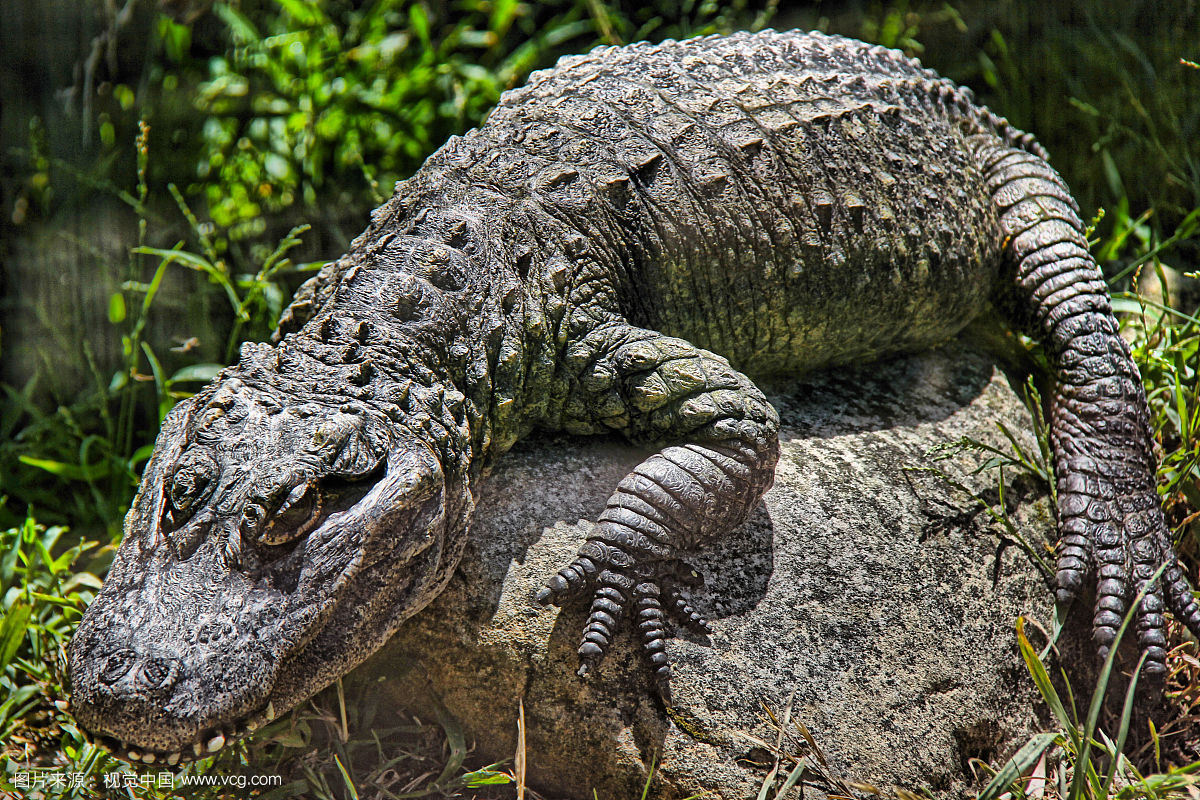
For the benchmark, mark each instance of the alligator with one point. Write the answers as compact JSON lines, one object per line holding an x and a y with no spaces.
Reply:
{"x":628,"y":243}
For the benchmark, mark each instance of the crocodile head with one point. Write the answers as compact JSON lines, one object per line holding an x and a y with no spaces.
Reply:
{"x":273,"y":544}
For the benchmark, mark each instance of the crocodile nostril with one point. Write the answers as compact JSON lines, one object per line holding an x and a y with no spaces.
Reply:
{"x":116,"y":665}
{"x":155,"y":672}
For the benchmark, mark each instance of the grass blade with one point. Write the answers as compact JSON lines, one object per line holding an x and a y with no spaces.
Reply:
{"x":1041,"y":679}
{"x":1017,"y":766}
{"x":1123,"y":732}
{"x":792,"y":779}
{"x":767,"y":783}
{"x":12,"y":632}
{"x":346,"y":777}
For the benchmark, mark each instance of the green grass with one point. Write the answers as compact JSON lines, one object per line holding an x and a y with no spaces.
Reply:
{"x":1080,"y":759}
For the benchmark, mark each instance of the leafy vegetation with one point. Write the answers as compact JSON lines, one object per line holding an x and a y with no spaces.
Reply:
{"x":338,"y":101}
{"x":1120,"y":129}
{"x":101,"y":442}
{"x":254,"y":120}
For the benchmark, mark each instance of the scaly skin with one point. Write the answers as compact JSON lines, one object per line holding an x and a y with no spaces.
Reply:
{"x":784,"y":200}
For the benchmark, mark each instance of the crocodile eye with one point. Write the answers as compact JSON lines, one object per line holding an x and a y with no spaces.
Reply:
{"x":184,"y":488}
{"x":296,"y":516}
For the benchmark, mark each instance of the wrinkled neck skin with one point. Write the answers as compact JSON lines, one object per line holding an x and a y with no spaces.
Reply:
{"x":312,"y":498}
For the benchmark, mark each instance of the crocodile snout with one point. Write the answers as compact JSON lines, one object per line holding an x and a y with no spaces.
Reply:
{"x":125,"y":682}
{"x":123,"y":692}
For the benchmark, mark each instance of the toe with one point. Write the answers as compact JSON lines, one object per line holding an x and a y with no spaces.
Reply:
{"x":682,"y":611}
{"x":1181,"y":596}
{"x":571,"y":581}
{"x":1110,"y":612}
{"x":1073,"y":560}
{"x":1152,"y":637}
{"x":652,"y":625}
{"x":608,"y":606}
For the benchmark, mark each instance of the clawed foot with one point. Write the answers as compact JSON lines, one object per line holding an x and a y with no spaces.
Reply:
{"x":626,"y":571}
{"x":1125,"y":557}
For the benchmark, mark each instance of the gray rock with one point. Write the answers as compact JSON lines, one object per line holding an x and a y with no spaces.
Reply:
{"x":875,"y":602}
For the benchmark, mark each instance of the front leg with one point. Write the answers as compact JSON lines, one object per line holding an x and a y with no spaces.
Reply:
{"x":655,"y":388}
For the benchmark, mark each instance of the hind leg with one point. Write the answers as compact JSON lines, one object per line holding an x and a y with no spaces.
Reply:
{"x":1110,"y":521}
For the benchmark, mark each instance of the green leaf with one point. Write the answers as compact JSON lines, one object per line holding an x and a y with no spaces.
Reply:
{"x":73,"y":472}
{"x":12,"y":632}
{"x":1123,"y":731}
{"x":1042,"y":680}
{"x":286,"y":243}
{"x":503,"y":13}
{"x":176,"y":38}
{"x":485,"y":777}
{"x":1189,"y":226}
{"x":116,"y":308}
{"x":290,"y":740}
{"x":85,"y":579}
{"x":346,"y":778}
{"x":1018,"y":765}
{"x":54,"y":600}
{"x":456,"y":742}
{"x":204,"y":372}
{"x":1126,"y":304}
{"x":792,"y":779}
{"x":63,"y":561}
{"x":239,"y":25}
{"x":190,"y":260}
{"x":19,"y":697}
{"x":419,"y":21}
{"x":1112,"y":174}
{"x":307,"y":14}
{"x":764,"y":790}
{"x":141,"y":454}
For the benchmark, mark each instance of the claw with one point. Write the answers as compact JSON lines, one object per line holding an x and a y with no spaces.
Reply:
{"x":1151,"y":627}
{"x":1126,"y":560}
{"x":1123,"y":554}
{"x":1179,"y":595}
{"x":1074,"y":560}
{"x":654,"y":590}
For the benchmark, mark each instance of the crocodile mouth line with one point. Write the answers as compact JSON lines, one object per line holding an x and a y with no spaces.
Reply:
{"x":211,"y":742}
